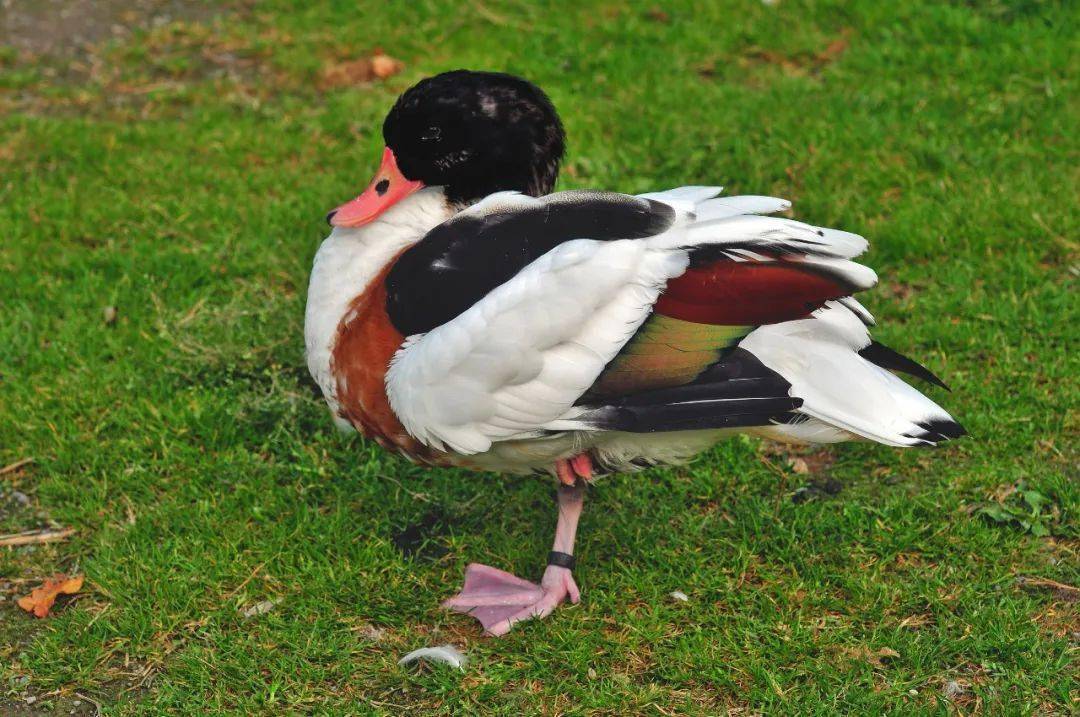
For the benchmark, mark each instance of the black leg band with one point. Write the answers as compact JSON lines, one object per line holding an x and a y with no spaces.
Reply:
{"x":562,"y":560}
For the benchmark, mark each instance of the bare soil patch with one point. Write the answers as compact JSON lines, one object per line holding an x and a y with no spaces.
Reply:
{"x":67,"y":27}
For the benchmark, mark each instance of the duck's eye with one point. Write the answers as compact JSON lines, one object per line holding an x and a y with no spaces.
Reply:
{"x":431,"y":134}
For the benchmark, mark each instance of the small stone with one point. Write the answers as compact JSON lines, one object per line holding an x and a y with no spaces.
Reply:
{"x":20,"y":498}
{"x":109,"y":314}
{"x":913,"y":692}
{"x":30,"y":699}
{"x":678,"y":595}
{"x":952,"y":690}
{"x":591,"y":673}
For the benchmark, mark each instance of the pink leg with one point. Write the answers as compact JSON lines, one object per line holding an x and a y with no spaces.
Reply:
{"x":499,"y":600}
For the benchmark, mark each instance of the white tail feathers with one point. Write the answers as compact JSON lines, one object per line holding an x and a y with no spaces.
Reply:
{"x":819,"y":357}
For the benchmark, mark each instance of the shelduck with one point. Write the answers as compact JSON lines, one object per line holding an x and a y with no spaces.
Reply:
{"x":462,"y":314}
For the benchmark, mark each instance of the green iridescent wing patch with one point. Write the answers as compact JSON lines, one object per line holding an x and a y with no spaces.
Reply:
{"x":666,"y":352}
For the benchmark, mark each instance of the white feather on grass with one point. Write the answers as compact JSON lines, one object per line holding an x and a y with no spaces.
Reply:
{"x":447,"y":654}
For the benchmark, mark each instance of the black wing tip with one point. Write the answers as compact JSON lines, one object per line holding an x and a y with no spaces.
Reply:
{"x":938,"y":430}
{"x":881,"y":355}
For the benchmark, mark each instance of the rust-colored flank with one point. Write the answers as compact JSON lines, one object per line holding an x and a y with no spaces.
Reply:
{"x":366,"y":341}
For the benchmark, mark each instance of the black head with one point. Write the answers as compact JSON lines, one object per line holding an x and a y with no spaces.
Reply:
{"x":475,"y":133}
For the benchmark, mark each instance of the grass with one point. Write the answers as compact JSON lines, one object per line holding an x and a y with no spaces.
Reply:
{"x":181,"y":174}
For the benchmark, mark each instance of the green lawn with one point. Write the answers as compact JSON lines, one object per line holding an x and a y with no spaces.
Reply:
{"x":181,"y":175}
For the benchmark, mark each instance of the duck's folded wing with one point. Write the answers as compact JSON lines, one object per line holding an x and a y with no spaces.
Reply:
{"x":515,"y":308}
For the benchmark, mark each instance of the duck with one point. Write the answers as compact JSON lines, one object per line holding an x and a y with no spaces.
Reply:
{"x":462,"y":313}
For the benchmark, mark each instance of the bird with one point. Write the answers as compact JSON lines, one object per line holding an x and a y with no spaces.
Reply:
{"x":463,"y":313}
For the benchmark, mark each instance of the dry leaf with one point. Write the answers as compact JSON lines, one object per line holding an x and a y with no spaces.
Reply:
{"x":917,"y":621}
{"x":865,"y":654}
{"x":357,"y":72}
{"x":41,"y":600}
{"x":375,"y":634}
{"x":385,"y":66}
{"x":261,"y":608}
{"x":834,"y":49}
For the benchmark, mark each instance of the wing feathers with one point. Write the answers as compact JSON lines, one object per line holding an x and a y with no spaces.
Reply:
{"x":724,"y":207}
{"x":519,"y":305}
{"x":737,"y":390}
{"x":819,"y":356}
{"x":460,"y":261}
{"x":749,"y":293}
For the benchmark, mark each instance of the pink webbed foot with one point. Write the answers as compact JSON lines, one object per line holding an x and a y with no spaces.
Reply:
{"x":570,"y":469}
{"x":499,"y":600}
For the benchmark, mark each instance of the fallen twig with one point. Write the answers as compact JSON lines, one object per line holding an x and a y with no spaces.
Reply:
{"x":33,"y":537}
{"x":11,"y":468}
{"x":247,"y":580}
{"x":91,"y":700}
{"x":1070,"y":591}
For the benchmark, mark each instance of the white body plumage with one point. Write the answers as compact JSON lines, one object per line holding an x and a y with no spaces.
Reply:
{"x":497,"y":385}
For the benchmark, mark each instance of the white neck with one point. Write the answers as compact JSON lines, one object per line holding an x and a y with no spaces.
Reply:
{"x":346,"y":263}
